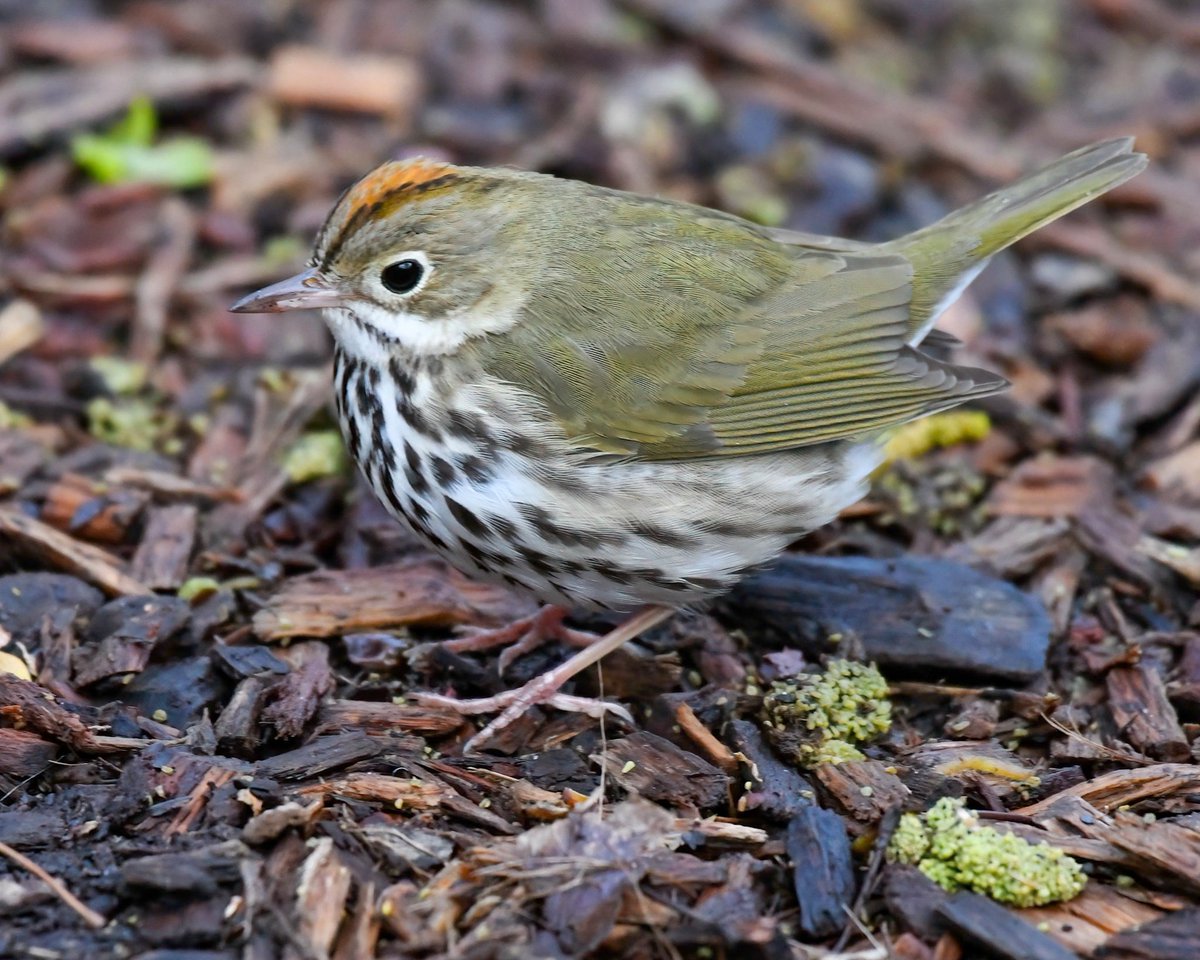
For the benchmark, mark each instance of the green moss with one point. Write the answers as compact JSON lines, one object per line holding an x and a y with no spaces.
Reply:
{"x":820,"y":718}
{"x":950,"y":846}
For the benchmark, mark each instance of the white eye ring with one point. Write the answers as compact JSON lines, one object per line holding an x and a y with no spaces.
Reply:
{"x":405,"y":273}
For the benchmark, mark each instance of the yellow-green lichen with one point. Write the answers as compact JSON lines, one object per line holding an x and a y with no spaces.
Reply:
{"x":120,"y":376}
{"x":319,"y":453}
{"x":913,"y":440}
{"x":949,"y":845}
{"x":11,"y":419}
{"x":130,"y":422}
{"x":821,"y":718}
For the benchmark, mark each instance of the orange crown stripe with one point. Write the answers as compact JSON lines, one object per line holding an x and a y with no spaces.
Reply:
{"x":392,"y":180}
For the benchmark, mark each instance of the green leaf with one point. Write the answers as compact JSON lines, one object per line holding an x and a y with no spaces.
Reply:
{"x":126,"y":153}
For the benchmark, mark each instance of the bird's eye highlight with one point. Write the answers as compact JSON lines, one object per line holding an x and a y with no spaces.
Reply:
{"x":403,"y":276}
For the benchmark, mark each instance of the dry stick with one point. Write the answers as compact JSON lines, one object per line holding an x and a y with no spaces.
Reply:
{"x":898,"y":124}
{"x":87,"y":914}
{"x":160,"y":279}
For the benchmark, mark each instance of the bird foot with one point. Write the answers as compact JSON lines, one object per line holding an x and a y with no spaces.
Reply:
{"x":545,"y":688}
{"x":522,"y":636}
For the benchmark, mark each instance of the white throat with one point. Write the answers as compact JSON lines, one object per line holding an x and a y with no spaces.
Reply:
{"x":352,"y":326}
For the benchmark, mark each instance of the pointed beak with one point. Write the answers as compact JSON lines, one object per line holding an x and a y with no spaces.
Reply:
{"x":304,"y":291}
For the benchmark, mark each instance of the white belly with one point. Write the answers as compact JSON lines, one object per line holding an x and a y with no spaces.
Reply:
{"x":480,"y":486}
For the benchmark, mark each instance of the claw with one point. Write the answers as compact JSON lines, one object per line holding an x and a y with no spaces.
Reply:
{"x":545,"y":688}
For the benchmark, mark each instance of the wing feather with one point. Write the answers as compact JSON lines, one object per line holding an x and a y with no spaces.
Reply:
{"x":742,"y":344}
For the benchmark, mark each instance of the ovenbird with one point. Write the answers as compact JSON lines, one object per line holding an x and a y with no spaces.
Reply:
{"x":611,"y":400}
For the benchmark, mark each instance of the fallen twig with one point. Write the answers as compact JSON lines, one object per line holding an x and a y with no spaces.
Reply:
{"x":57,"y":887}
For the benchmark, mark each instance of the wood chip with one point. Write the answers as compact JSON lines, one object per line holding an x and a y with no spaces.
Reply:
{"x":704,"y":738}
{"x":164,"y":269}
{"x":997,"y":930}
{"x":822,"y":870}
{"x":61,"y":552}
{"x":24,"y":754}
{"x":1119,"y":788}
{"x":1173,"y":937}
{"x":863,"y":788}
{"x":165,"y":550}
{"x":27,"y":705}
{"x":401,"y":793}
{"x":380,"y":718}
{"x":76,"y":505}
{"x":295,"y":699}
{"x":21,"y":326}
{"x":1142,"y":713}
{"x":1087,"y":921}
{"x":657,"y":769}
{"x":313,"y":77}
{"x":423,"y":592}
{"x":1052,"y":487}
{"x":321,"y":896}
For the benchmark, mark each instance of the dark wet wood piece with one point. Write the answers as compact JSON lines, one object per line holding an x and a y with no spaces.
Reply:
{"x":31,"y":829}
{"x":777,"y":790}
{"x":123,"y":635}
{"x":318,"y":757}
{"x":822,"y":870}
{"x":196,"y":873}
{"x":237,"y":727}
{"x":997,"y":931}
{"x":910,"y":612}
{"x":1175,"y":936}
{"x":914,"y":899}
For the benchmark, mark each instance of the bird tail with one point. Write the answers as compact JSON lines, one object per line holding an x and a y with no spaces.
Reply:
{"x":948,"y":254}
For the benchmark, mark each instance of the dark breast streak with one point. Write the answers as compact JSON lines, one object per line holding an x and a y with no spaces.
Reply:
{"x":432,"y":468}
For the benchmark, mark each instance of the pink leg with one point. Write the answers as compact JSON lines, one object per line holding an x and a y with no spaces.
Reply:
{"x":544,"y":689}
{"x":522,"y":636}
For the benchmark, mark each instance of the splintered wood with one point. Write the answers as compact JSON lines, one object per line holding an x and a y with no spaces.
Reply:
{"x":420,"y":593}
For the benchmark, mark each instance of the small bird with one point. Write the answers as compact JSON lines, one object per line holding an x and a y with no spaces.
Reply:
{"x":614,"y":401}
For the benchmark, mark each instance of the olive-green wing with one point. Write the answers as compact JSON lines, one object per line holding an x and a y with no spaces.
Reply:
{"x":815,"y":354}
{"x":835,"y":364}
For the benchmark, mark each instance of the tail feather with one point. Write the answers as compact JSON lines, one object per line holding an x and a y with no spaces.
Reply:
{"x":947,"y":254}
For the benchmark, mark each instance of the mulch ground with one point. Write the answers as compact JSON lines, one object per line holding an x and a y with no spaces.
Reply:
{"x":216,"y":753}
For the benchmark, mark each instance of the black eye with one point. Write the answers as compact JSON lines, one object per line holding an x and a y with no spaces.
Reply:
{"x":402,"y":276}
